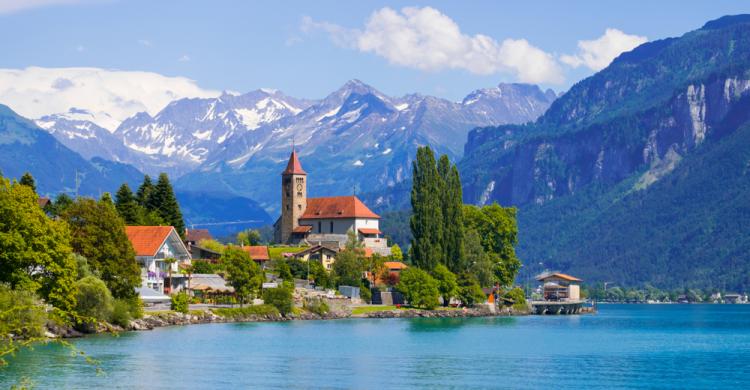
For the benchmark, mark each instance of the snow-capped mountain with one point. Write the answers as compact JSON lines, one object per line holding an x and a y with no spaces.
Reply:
{"x":359,"y":138}
{"x":355,"y":138}
{"x":77,"y":130}
{"x":186,"y":132}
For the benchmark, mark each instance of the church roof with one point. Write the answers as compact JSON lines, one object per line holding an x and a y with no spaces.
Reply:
{"x":293,"y":167}
{"x":337,"y":207}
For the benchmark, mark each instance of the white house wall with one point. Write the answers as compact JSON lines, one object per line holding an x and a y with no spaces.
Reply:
{"x":340,"y":225}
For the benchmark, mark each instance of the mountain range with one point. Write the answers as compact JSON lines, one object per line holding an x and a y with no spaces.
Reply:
{"x":227,"y":151}
{"x":354,"y":139}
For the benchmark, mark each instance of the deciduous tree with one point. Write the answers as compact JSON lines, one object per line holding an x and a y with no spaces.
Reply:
{"x":419,"y":288}
{"x":243,"y":274}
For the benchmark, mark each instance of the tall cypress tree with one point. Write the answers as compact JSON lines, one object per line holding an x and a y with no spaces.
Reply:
{"x":427,"y":218}
{"x":163,"y":201}
{"x":453,"y":230}
{"x":144,"y":191}
{"x":127,"y":205}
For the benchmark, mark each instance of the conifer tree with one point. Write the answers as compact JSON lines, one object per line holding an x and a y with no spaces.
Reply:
{"x":453,"y":230}
{"x":163,"y":201}
{"x":427,"y":218}
{"x":127,"y":205}
{"x":144,"y":191}
{"x":28,"y":180}
{"x":106,"y":197}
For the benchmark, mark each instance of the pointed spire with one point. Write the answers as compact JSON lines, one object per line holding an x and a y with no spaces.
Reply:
{"x":293,"y":167}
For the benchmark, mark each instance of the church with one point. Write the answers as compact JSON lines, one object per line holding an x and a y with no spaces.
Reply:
{"x":323,"y":221}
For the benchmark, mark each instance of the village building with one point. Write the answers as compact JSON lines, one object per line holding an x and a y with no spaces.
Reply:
{"x":154,"y":247}
{"x":323,"y":221}
{"x":560,"y":287}
{"x":320,"y":253}
{"x":195,"y":236}
{"x":259,"y":254}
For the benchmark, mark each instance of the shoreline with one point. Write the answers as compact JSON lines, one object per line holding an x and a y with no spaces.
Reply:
{"x":171,"y":318}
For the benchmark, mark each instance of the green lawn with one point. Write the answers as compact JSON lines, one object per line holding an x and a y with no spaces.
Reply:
{"x":275,"y":251}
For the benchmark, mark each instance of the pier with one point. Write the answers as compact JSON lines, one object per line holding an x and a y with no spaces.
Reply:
{"x":562,"y":307}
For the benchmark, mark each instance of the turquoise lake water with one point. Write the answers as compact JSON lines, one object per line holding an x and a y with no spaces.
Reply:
{"x":623,"y":346}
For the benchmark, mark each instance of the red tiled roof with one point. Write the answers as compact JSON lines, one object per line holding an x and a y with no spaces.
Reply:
{"x":302,"y":229}
{"x":368,"y":252}
{"x":391,"y":265}
{"x":196,"y":235}
{"x":369,"y":231}
{"x":258,"y":252}
{"x":146,"y":240}
{"x":558,"y":275}
{"x":43,"y":201}
{"x":293,"y":167}
{"x":337,"y":207}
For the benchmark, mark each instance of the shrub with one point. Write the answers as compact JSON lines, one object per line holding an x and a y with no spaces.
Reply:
{"x":419,"y":288}
{"x":180,"y":302}
{"x":203,"y":267}
{"x":121,"y":313}
{"x":317,"y":306}
{"x":518,"y":297}
{"x":469,"y":291}
{"x":244,"y":312}
{"x":365,"y":293}
{"x":95,"y":302}
{"x":280,"y":298}
{"x":447,"y":285}
{"x":21,"y":314}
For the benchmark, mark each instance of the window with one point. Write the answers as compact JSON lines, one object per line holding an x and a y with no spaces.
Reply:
{"x":320,"y":230}
{"x":287,"y":207}
{"x":299,"y":207}
{"x":331,"y":226}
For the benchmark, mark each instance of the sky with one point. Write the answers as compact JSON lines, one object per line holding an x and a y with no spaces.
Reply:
{"x":308,"y":49}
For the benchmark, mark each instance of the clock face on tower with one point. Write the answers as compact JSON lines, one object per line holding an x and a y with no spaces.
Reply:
{"x":299,"y":187}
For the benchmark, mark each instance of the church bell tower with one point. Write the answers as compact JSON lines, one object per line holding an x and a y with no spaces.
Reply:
{"x":293,"y":196}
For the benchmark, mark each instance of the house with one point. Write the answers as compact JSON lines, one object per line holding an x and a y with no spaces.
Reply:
{"x":259,"y":254}
{"x":198,"y":252}
{"x":735,"y":298}
{"x":558,"y":286}
{"x":320,"y":253}
{"x":195,"y":236}
{"x":325,"y":220}
{"x":154,"y":247}
{"x":391,"y":277}
{"x":43,"y":201}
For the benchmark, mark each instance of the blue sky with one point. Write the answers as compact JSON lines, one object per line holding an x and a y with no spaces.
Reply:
{"x":310,"y":48}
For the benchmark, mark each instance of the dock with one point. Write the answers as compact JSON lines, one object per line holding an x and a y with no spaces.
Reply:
{"x":560,"y":307}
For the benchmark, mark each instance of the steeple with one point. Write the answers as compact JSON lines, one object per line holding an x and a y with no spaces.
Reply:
{"x":293,"y":167}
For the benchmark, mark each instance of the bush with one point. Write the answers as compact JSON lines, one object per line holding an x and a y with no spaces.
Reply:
{"x":21,"y":314}
{"x":280,"y":298}
{"x":121,"y":313}
{"x":317,"y":306}
{"x":180,"y":302}
{"x":95,"y":302}
{"x":469,"y":291}
{"x":135,"y":305}
{"x":518,"y":297}
{"x":203,"y":267}
{"x":365,"y":293}
{"x":244,"y":312}
{"x":447,"y":285}
{"x":419,"y":288}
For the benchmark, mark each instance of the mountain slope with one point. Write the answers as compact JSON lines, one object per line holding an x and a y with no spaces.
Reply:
{"x":358,"y":139}
{"x":614,"y":140}
{"x":26,"y":147}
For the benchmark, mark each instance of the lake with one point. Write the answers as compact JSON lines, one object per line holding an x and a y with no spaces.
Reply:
{"x":623,"y":346}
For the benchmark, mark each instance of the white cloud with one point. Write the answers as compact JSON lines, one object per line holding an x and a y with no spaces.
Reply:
{"x":145,"y":42}
{"x":10,"y":6}
{"x":184,"y":58}
{"x":426,"y":39}
{"x":597,"y":54}
{"x":110,"y":95}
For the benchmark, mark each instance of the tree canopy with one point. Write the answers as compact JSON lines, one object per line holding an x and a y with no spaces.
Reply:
{"x":98,"y":233}
{"x":35,"y":251}
{"x":243,"y":274}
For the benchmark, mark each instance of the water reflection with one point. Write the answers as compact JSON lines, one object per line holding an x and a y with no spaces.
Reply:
{"x":420,"y":325}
